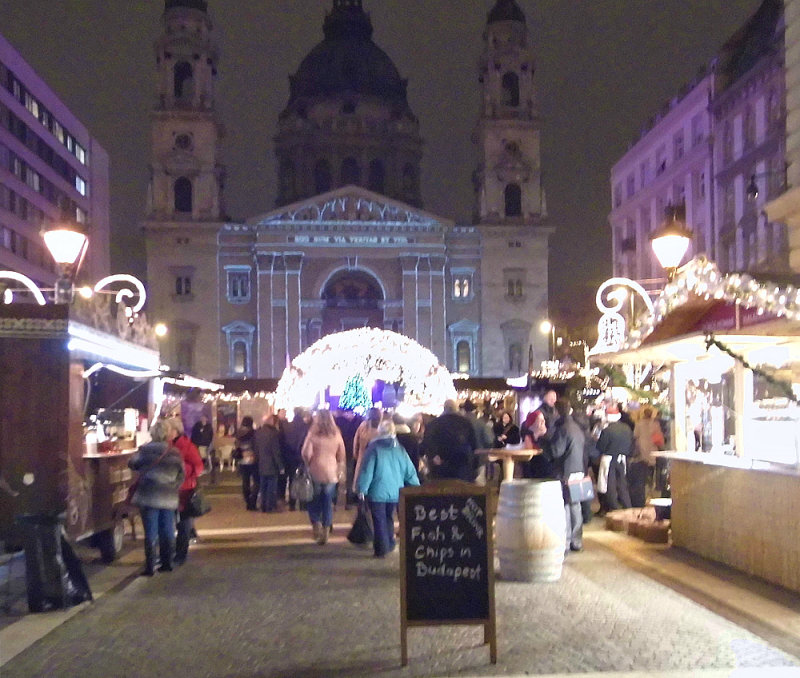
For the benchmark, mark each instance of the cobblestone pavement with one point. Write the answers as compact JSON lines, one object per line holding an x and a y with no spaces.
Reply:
{"x":245,"y":607}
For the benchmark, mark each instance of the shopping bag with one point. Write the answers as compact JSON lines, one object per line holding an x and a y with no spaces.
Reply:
{"x":580,"y":489}
{"x":361,"y":532}
{"x":198,"y":504}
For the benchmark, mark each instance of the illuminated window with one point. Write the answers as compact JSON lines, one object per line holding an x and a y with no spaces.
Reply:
{"x":239,"y":336}
{"x":462,"y":285}
{"x":463,"y":356}
{"x":80,"y":185}
{"x":239,"y":359}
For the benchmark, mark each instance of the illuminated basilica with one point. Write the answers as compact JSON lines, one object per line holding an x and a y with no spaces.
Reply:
{"x":348,"y":244}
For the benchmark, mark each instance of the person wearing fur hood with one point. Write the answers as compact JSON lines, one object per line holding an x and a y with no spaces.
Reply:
{"x":385,"y":469}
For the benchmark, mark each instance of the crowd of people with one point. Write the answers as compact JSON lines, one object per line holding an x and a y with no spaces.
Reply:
{"x":369,"y":459}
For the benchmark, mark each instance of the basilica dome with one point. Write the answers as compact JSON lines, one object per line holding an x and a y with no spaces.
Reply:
{"x":347,"y":61}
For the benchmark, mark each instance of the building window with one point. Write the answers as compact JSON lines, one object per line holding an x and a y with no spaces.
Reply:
{"x":700,"y":191}
{"x":630,"y":186}
{"x":462,"y":285}
{"x":749,"y":125}
{"x":239,"y":286}
{"x":642,"y":174}
{"x":323,"y":180}
{"x":183,"y":195}
{"x":183,"y":285}
{"x":80,"y":185}
{"x":463,"y":356}
{"x":698,"y":130}
{"x":515,"y":358}
{"x":239,"y":337}
{"x":727,"y":142}
{"x":510,"y":89}
{"x":239,"y":357}
{"x":351,"y":172}
{"x":617,"y":195}
{"x":377,"y":176}
{"x":729,"y":204}
{"x":183,"y":80}
{"x":513,"y":200}
{"x":678,"y":145}
{"x":773,"y":108}
{"x":661,"y":160}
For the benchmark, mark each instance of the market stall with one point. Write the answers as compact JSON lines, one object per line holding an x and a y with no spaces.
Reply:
{"x":732,"y":347}
{"x":60,"y":457}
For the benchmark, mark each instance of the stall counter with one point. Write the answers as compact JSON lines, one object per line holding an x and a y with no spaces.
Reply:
{"x":739,"y":512}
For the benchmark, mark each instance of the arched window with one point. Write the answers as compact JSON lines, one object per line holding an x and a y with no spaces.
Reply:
{"x":463,"y":356}
{"x":351,"y":172}
{"x":513,"y":196}
{"x":183,"y":195}
{"x":510,"y":89}
{"x":239,"y":357}
{"x":184,"y":80}
{"x":287,"y":181}
{"x":515,"y":358}
{"x":377,"y":176}
{"x":322,"y":176}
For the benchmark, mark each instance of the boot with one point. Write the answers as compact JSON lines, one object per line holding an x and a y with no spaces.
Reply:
{"x":323,"y":536}
{"x":317,"y":529}
{"x":167,"y":549}
{"x":149,"y":560}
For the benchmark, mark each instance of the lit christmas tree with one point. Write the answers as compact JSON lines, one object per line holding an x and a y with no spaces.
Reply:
{"x":355,"y":395}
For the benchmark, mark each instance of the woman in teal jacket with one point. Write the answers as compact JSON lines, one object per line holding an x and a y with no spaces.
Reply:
{"x":386,"y":468}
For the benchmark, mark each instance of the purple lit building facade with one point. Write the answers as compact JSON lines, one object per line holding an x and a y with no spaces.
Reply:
{"x":348,"y":244}
{"x":51,"y":168}
{"x":704,"y":151}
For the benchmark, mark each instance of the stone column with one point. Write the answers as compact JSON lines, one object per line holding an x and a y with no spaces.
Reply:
{"x":293,"y":264}
{"x":265,"y":359}
{"x":409,"y":263}
{"x":438,"y":309}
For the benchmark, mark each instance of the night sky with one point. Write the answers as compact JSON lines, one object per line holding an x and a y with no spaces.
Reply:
{"x":603,"y":68}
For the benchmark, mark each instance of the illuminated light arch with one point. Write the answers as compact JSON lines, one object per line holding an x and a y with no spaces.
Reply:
{"x":375,"y":354}
{"x":25,"y":280}
{"x":125,"y":292}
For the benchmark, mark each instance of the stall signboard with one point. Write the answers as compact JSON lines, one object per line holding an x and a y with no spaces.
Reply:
{"x":446,"y":559}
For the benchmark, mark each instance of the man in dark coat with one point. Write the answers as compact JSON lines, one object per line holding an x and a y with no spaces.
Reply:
{"x":348,"y":423}
{"x":202,"y":436}
{"x":267,"y":446}
{"x":294,"y":434}
{"x":449,"y":445}
{"x":567,"y":459}
{"x":615,"y":445}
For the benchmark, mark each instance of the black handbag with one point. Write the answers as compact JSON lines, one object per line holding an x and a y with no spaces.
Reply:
{"x":198,"y":504}
{"x":361,"y":532}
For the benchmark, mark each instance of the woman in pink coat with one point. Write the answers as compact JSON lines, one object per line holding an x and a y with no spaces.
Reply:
{"x":324,"y":456}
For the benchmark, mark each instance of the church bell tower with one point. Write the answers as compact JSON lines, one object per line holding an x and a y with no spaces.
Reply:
{"x":508,"y":179}
{"x":186,"y":175}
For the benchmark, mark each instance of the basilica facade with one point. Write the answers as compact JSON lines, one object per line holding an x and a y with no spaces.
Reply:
{"x":348,"y":243}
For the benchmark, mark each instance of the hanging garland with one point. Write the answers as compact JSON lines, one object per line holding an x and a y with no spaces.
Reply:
{"x":786,"y":387}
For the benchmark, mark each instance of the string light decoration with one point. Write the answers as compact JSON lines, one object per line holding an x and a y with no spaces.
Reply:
{"x":785,"y":386}
{"x":702,"y":278}
{"x":374,"y":354}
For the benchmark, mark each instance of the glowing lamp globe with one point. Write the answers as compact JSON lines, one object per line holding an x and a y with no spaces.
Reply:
{"x":65,"y":244}
{"x":670,"y":242}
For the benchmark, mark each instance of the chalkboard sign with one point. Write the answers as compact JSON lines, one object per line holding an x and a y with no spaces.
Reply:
{"x":446,"y":552}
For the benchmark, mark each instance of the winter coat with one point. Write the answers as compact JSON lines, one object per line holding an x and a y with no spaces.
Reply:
{"x":643,"y":434}
{"x":566,"y":449}
{"x":202,"y":435}
{"x":192,"y":467}
{"x":484,"y":436}
{"x":294,"y":434}
{"x":244,"y":446}
{"x":364,"y":435}
{"x":159,"y":477}
{"x":267,"y":446}
{"x":616,"y":438}
{"x":386,"y":468}
{"x":410,"y":443}
{"x":451,"y":437}
{"x":324,"y":456}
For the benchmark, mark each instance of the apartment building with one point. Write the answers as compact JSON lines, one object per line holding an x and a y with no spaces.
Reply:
{"x":51,"y":168}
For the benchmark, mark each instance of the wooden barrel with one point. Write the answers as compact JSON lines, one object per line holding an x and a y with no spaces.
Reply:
{"x":531,"y":530}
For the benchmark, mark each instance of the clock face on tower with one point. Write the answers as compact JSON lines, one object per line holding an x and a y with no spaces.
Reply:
{"x":183,"y":142}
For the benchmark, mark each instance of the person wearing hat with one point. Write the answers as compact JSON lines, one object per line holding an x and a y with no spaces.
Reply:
{"x":615,"y":445}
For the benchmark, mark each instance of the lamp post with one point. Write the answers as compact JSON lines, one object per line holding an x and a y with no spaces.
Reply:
{"x":671,"y":240}
{"x":66,"y":244}
{"x":549,"y":328}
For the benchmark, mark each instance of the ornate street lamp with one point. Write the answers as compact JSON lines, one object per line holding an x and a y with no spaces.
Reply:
{"x":66,"y":243}
{"x":671,"y":240}
{"x":548,"y":327}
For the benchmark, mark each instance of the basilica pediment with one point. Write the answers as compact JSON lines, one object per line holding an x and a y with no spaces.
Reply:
{"x":347,"y":206}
